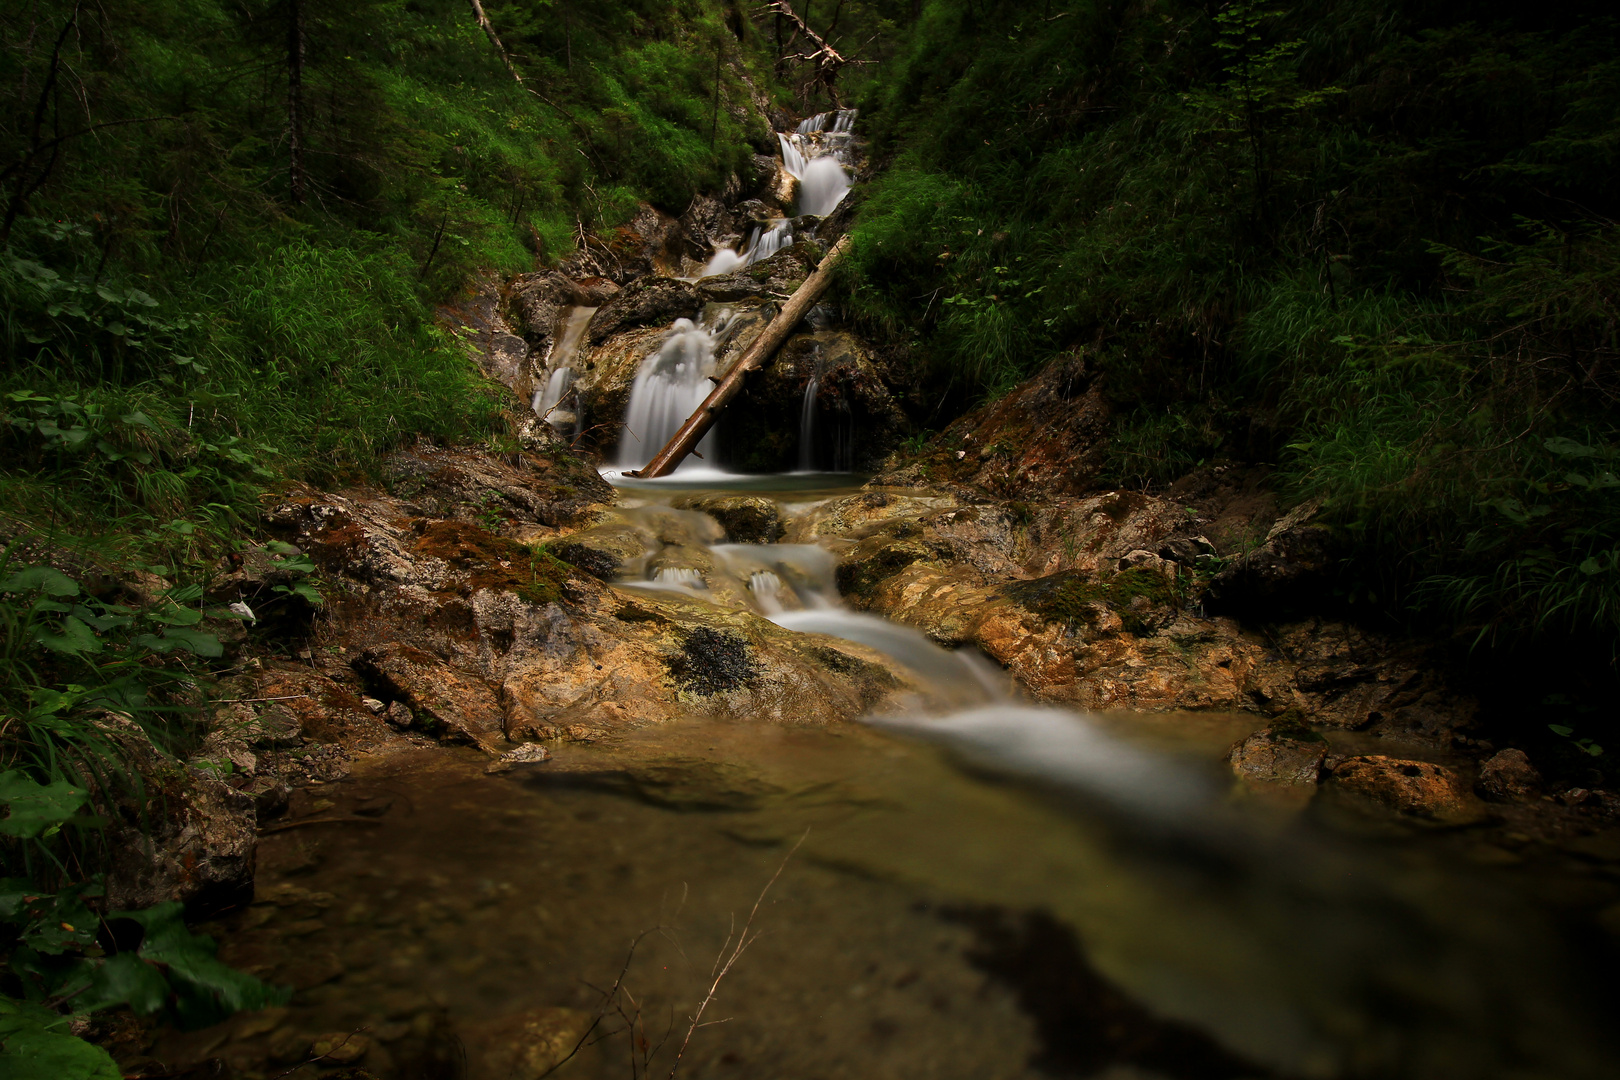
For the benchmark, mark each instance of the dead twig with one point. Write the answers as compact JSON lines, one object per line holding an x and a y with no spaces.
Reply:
{"x":723,"y":962}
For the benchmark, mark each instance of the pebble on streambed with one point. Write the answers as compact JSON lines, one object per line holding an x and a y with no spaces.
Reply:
{"x":527,"y":754}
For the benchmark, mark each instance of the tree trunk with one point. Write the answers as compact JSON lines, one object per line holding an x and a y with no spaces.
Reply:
{"x":756,"y":356}
{"x":295,"y":99}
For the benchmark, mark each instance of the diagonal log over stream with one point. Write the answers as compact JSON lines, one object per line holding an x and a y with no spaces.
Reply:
{"x":754,"y":358}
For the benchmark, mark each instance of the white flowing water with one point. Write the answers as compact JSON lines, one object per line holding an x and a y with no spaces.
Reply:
{"x":813,"y":154}
{"x":669,"y":387}
{"x":807,"y":424}
{"x":548,"y":401}
{"x":823,"y":186}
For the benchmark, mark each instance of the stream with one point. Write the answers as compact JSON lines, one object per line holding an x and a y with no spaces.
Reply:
{"x":976,"y":888}
{"x":971,"y":886}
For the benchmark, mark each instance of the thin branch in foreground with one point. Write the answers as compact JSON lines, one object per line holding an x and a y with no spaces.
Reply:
{"x":723,"y":962}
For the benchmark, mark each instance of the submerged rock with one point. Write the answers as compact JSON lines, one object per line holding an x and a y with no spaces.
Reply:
{"x":1510,"y":777}
{"x":523,"y":1046}
{"x":747,"y":519}
{"x":1284,"y":753}
{"x":1417,"y":789}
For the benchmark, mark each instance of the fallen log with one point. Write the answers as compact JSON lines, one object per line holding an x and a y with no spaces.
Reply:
{"x":752,"y":359}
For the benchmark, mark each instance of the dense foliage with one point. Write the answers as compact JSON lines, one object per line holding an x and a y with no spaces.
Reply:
{"x":1372,"y":242}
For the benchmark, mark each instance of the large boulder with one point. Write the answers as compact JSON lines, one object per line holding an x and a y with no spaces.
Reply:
{"x":199,"y":848}
{"x":649,"y":301}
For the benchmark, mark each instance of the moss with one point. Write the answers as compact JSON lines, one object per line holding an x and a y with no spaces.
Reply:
{"x":632,"y":613}
{"x":495,"y":562}
{"x":712,"y":661}
{"x":1073,"y":597}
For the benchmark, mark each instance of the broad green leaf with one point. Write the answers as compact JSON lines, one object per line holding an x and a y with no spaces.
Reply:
{"x":1570,"y":448}
{"x":14,"y":893}
{"x":46,"y":579}
{"x":74,"y":638}
{"x":175,"y":615}
{"x":34,"y":807}
{"x":139,"y":419}
{"x":36,"y":1054}
{"x":1560,"y":729}
{"x":178,"y":637}
{"x":125,"y":979}
{"x":206,"y":990}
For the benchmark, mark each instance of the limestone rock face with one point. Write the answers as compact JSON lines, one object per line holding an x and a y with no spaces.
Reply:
{"x":651,"y":301}
{"x":463,"y":704}
{"x":1284,"y":574}
{"x":1413,"y":788}
{"x":492,"y":636}
{"x":1280,"y":755}
{"x":1509,"y":777}
{"x":1079,"y":601}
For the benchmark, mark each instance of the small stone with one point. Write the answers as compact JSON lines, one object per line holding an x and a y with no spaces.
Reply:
{"x":288,"y":1048}
{"x":1574,"y":796}
{"x":1509,"y":777}
{"x":250,"y":1025}
{"x":527,"y":754}
{"x":373,"y":704}
{"x":399,"y":715}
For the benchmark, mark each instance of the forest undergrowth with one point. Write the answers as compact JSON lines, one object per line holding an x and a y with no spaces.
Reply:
{"x":1370,"y":244}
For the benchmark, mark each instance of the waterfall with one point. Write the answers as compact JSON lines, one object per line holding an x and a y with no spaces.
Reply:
{"x":823,"y":186}
{"x":807,"y":425}
{"x":548,"y":400}
{"x":669,"y":387}
{"x":724,"y":261}
{"x":794,"y":158}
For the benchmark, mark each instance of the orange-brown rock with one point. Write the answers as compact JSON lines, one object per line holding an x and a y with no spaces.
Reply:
{"x":463,"y":703}
{"x":1417,"y":789}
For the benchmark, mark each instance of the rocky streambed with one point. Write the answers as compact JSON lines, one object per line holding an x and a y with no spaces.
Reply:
{"x":541,"y":723}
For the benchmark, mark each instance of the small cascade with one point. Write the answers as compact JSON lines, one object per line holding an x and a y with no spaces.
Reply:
{"x":548,"y":401}
{"x":813,"y":154}
{"x":807,"y":425}
{"x":670,"y":385}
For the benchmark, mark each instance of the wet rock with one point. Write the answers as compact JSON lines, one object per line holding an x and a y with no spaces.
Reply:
{"x":747,"y":519}
{"x":201,"y":850}
{"x":603,"y":380}
{"x":524,"y":1046}
{"x":1417,"y":789}
{"x":463,"y":704}
{"x":536,"y":301}
{"x":857,"y":419}
{"x":606,"y":550}
{"x":651,"y":301}
{"x":1284,"y":753}
{"x":1509,"y":777}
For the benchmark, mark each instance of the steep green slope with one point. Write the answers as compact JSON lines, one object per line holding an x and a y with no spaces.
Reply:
{"x":231,"y":221}
{"x":1372,"y":242}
